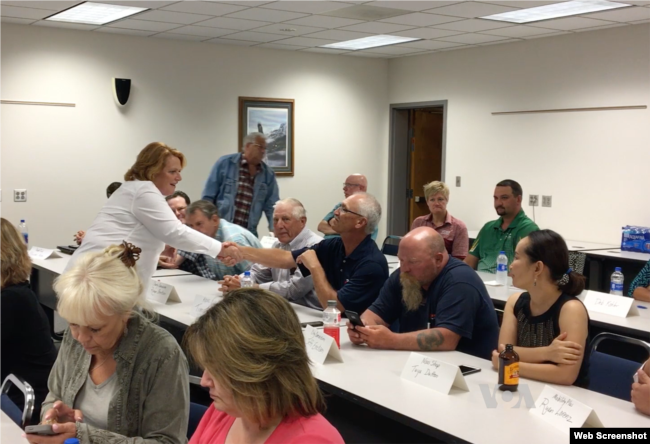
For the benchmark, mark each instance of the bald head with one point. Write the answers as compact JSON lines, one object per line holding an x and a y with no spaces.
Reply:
{"x":425,"y":237}
{"x":355,"y":183}
{"x":422,"y":255}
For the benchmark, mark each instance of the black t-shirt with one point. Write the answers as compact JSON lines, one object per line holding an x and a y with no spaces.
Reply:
{"x":27,"y":347}
{"x":357,"y":278}
{"x":456,"y":300}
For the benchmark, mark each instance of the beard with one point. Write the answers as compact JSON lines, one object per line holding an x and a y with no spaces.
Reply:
{"x":411,"y":291}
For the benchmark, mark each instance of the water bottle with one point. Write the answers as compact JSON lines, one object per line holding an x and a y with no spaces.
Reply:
{"x":23,"y":230}
{"x":247,"y":280}
{"x":616,"y":287}
{"x":331,"y":322}
{"x":502,"y":268}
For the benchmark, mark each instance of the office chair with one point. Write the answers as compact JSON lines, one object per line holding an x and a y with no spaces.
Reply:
{"x":24,"y":417}
{"x":391,"y":245}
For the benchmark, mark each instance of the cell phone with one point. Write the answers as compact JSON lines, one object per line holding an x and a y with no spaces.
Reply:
{"x":313,"y":324}
{"x":465,"y":370}
{"x":354,"y":318}
{"x":41,"y":429}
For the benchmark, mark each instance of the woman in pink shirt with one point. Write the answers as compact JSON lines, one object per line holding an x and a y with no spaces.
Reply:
{"x":256,"y":367}
{"x":452,"y":230}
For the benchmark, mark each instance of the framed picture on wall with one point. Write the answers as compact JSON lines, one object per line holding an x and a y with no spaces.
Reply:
{"x":274,"y":119}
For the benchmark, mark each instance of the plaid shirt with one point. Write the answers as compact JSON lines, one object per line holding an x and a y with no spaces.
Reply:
{"x":211,"y":268}
{"x":244,"y":196}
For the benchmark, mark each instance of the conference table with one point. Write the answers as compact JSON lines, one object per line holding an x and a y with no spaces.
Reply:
{"x":603,"y":262}
{"x":10,"y":433}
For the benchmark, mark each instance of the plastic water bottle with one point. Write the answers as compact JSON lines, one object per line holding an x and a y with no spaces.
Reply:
{"x":502,"y":268}
{"x":23,"y":230}
{"x":247,"y":280}
{"x":331,"y":322}
{"x":616,"y":286}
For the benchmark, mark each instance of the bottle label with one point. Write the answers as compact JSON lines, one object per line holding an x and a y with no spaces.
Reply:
{"x":333,"y":332}
{"x":616,"y":288}
{"x":511,"y":374}
{"x":502,"y":267}
{"x":26,"y":237}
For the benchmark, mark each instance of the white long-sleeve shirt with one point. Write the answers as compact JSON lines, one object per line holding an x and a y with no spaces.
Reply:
{"x":138,"y":213}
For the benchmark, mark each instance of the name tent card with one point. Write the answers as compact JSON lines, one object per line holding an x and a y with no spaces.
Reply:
{"x":162,"y":292}
{"x":433,"y":373}
{"x":42,"y":253}
{"x":201,"y":305}
{"x":564,"y":412}
{"x":610,"y":304}
{"x":320,"y":346}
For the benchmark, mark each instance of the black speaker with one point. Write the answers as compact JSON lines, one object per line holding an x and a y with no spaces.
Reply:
{"x":121,"y":90}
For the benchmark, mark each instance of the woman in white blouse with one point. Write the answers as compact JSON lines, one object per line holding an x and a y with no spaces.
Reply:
{"x":137,"y":213}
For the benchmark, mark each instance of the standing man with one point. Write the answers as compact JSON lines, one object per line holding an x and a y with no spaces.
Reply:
{"x":289,"y":227}
{"x":504,"y":233}
{"x":242,"y":186}
{"x":355,"y":183}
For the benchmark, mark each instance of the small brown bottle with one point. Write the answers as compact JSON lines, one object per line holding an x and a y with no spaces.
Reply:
{"x":509,"y":369}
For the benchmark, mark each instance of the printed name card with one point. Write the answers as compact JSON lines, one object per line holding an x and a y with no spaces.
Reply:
{"x":201,"y":305}
{"x":433,"y":373}
{"x":610,"y":304}
{"x":41,"y":253}
{"x":564,"y":412}
{"x":268,"y":241}
{"x":320,"y":346}
{"x":162,"y":292}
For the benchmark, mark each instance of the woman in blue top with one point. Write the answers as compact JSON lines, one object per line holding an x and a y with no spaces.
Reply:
{"x":640,"y":286}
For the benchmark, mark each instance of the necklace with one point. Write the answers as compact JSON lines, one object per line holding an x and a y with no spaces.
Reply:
{"x":100,"y":364}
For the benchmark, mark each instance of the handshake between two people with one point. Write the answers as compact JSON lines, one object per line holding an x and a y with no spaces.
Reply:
{"x":230,"y":254}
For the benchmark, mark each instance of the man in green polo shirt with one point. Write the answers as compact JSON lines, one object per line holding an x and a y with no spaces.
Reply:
{"x":504,"y":233}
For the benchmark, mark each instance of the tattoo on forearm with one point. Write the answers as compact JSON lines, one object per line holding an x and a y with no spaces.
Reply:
{"x":430,"y":340}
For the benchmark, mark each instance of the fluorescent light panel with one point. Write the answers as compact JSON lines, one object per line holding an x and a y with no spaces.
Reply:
{"x":95,"y":13}
{"x":370,"y":42}
{"x":556,"y":10}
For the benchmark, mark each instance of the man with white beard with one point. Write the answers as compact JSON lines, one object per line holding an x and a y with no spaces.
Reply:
{"x":440,"y":302}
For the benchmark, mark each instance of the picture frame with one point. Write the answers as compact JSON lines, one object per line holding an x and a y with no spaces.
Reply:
{"x":274,"y":119}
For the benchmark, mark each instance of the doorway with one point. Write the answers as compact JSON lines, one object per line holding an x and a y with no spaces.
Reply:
{"x":417,"y":156}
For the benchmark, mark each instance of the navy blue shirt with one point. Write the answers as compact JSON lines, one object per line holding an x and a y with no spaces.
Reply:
{"x":357,"y":278}
{"x":456,"y":300}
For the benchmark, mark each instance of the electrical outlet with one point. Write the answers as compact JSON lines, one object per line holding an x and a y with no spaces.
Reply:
{"x":533,"y":200}
{"x":547,"y":201}
{"x":457,"y":181}
{"x":20,"y":195}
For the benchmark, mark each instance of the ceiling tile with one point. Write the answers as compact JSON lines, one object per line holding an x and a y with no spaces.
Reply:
{"x":268,"y":15}
{"x":17,"y":21}
{"x":51,"y":6}
{"x":519,"y":31}
{"x":337,"y":34}
{"x":471,"y":10}
{"x":143,"y":25}
{"x":431,"y":44}
{"x":27,"y":13}
{"x":204,"y":31}
{"x":307,"y":41}
{"x":640,"y":22}
{"x":251,"y":4}
{"x":392,"y":49}
{"x":622,"y":15}
{"x":140,"y":4}
{"x":255,"y":36}
{"x":473,"y":39}
{"x":377,"y":27}
{"x":371,"y":55}
{"x":500,"y":42}
{"x":420,"y":19}
{"x":598,"y":28}
{"x":426,"y":33}
{"x":307,"y":7}
{"x":412,"y":5}
{"x":231,"y":23}
{"x":277,"y":28}
{"x":191,"y":38}
{"x":207,"y":8}
{"x":231,"y":42}
{"x":172,"y":17}
{"x":570,"y":23}
{"x":108,"y":30}
{"x":78,"y":26}
{"x":279,"y":46}
{"x":521,"y":4}
{"x":324,"y":51}
{"x":473,"y":25}
{"x":531,"y":37}
{"x":321,"y":21}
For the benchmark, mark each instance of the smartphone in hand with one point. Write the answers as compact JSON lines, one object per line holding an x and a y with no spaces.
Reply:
{"x":41,"y":429}
{"x":354,"y":318}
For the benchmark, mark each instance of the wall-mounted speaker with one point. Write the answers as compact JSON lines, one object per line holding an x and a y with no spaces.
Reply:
{"x":121,"y":90}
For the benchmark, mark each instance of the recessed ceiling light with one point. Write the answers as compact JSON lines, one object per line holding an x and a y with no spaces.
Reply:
{"x":370,"y":42}
{"x":288,"y":29}
{"x":556,"y":10}
{"x":95,"y":13}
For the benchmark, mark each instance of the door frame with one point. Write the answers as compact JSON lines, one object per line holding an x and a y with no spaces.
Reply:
{"x":398,"y":162}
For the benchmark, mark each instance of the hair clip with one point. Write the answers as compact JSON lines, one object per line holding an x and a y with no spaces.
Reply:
{"x":130,"y":254}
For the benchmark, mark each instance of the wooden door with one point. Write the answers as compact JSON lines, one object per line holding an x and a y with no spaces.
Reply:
{"x":425,"y":156}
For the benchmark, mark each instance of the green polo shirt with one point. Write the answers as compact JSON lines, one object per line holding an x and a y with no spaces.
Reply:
{"x":492,"y":239}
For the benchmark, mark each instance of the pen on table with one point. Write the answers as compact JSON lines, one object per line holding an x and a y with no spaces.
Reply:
{"x":641,"y":306}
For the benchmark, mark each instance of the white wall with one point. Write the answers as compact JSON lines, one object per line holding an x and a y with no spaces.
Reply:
{"x":594,"y":164}
{"x":184,"y":94}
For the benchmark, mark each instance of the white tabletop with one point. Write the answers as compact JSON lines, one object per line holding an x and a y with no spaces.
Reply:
{"x":576,"y":245}
{"x":164,"y":272}
{"x":391,"y":259}
{"x":55,"y":265}
{"x":619,"y":254}
{"x":10,"y":432}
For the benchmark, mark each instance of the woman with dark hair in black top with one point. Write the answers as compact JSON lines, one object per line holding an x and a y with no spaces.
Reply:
{"x":27,"y":347}
{"x":547,"y":324}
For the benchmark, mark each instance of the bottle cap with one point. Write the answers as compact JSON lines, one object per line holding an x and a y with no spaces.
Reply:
{"x":331,"y":303}
{"x":510,"y":347}
{"x":502,"y":252}
{"x":22,"y":221}
{"x":617,"y":269}
{"x":71,"y":441}
{"x":247,"y":273}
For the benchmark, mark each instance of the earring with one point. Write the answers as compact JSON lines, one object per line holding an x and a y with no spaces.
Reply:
{"x":535,"y":283}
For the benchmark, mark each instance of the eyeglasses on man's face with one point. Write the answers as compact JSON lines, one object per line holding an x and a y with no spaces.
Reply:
{"x":345,"y":210}
{"x":350,"y":185}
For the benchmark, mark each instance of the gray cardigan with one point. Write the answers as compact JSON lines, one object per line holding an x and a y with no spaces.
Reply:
{"x":152,"y":402}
